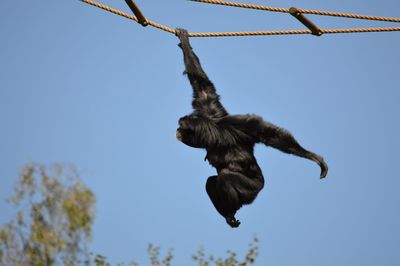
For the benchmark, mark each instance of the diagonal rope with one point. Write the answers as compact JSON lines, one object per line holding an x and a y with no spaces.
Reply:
{"x":132,"y":17}
{"x":304,"y":11}
{"x":239,"y":33}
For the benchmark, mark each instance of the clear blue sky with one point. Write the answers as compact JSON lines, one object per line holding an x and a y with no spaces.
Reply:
{"x":87,"y":87}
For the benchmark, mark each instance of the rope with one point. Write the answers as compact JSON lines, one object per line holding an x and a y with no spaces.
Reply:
{"x":109,"y":9}
{"x":289,"y":32}
{"x":241,"y":5}
{"x":304,"y":11}
{"x":234,"y":34}
{"x":132,"y":17}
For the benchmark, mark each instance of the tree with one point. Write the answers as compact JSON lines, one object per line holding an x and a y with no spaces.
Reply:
{"x":55,"y":212}
{"x":54,"y":218}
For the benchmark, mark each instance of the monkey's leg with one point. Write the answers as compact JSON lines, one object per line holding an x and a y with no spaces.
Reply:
{"x":282,"y":140}
{"x":211,"y":188}
{"x":229,"y":191}
{"x":246,"y":188}
{"x":222,"y":207}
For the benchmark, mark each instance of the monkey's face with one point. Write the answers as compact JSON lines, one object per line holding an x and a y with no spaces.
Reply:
{"x":185,"y":132}
{"x":179,"y":135}
{"x":186,"y":136}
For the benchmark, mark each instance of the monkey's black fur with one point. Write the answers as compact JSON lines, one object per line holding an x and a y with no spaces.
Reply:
{"x":229,"y":141}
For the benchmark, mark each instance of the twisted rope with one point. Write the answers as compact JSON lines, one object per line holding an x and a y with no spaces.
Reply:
{"x":304,"y":11}
{"x":241,"y":5}
{"x":239,"y":33}
{"x":132,"y":17}
{"x":289,"y":32}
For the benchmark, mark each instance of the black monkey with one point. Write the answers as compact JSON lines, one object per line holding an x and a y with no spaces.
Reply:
{"x":229,"y":141}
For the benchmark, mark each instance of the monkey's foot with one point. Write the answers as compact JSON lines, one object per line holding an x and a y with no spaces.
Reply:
{"x":232,"y":222}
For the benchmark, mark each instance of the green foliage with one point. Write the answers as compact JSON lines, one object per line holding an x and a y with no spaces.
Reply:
{"x":55,"y":212}
{"x":231,"y":260}
{"x":100,"y":260}
{"x":154,"y":254}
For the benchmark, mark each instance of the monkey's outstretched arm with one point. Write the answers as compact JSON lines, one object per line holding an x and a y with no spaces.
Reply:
{"x":281,"y":139}
{"x":271,"y":135}
{"x":205,"y":98}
